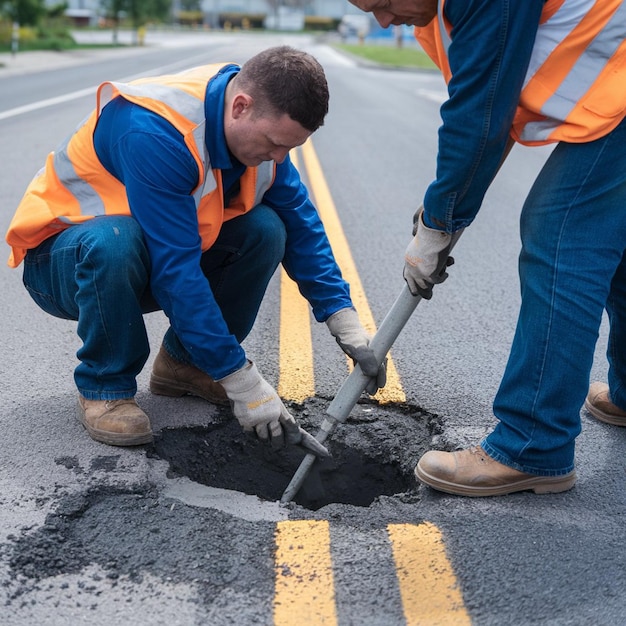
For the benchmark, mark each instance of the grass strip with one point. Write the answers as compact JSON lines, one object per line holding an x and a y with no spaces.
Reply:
{"x":389,"y":55}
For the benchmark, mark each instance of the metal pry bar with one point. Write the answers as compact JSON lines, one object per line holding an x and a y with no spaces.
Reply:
{"x":354,"y":385}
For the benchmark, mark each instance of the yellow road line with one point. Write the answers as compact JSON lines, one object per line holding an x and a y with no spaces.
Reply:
{"x":297,"y":380}
{"x":304,"y":588}
{"x":392,"y":392}
{"x":304,"y":584}
{"x":428,"y":587}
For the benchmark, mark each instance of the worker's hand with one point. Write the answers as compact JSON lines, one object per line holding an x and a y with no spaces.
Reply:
{"x":345,"y":327}
{"x":258,"y":409}
{"x":427,"y":257}
{"x":297,"y":436}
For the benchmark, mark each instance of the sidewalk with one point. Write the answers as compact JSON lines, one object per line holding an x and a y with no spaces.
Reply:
{"x":26,"y":62}
{"x":29,"y":61}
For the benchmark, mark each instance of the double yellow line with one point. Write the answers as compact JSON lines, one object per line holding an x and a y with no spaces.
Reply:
{"x":297,"y":381}
{"x":304,"y":580}
{"x":304,"y":589}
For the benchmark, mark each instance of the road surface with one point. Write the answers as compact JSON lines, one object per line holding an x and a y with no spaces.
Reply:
{"x":189,"y":530}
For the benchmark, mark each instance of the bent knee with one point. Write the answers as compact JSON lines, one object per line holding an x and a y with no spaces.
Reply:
{"x":267,"y":228}
{"x":116,"y":238}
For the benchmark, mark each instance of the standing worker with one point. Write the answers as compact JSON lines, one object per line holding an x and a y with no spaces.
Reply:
{"x":177,"y":193}
{"x":536,"y":72}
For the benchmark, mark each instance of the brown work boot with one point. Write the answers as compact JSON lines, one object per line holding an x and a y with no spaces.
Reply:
{"x":474,"y":473}
{"x":174,"y":378}
{"x":115,"y":422}
{"x":598,"y":403}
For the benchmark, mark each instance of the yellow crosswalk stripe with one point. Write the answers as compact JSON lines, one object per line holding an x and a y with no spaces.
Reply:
{"x":304,"y":591}
{"x":428,"y":587}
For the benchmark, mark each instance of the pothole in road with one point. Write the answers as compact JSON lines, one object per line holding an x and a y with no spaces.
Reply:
{"x":373,"y":455}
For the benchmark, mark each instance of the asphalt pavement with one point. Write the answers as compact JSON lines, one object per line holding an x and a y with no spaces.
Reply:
{"x":185,"y":531}
{"x":176,"y":533}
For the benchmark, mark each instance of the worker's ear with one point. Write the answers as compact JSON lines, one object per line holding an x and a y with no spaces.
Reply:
{"x":241,"y":105}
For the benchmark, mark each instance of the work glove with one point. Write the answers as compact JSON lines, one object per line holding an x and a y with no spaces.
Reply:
{"x":427,"y":257}
{"x":353,"y":339}
{"x":258,"y":409}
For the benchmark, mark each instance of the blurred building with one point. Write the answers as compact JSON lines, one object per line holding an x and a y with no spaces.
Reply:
{"x":85,"y":12}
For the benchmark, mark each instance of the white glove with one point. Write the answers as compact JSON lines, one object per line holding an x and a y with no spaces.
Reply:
{"x":353,"y":339}
{"x":427,"y":257}
{"x":258,"y":408}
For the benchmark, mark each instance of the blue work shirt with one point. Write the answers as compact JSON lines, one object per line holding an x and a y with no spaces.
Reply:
{"x":489,"y":53}
{"x":148,"y":155}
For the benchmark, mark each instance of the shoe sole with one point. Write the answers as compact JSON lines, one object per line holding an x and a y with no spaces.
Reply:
{"x":537,"y":484}
{"x":114,"y":439}
{"x":164,"y":387}
{"x":607,"y":418}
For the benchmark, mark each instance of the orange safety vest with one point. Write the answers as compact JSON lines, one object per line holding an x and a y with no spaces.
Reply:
{"x":575,"y":86}
{"x":74,"y":187}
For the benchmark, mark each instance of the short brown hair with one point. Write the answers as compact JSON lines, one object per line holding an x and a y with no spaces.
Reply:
{"x":286,"y":80}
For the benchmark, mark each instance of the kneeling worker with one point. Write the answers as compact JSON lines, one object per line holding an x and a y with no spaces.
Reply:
{"x":177,"y":193}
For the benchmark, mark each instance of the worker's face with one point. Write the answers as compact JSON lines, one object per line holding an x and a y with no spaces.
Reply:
{"x":254,"y":138}
{"x":397,"y":12}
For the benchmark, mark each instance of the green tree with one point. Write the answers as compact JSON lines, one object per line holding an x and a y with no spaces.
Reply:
{"x":114,"y":10}
{"x":57,"y":11}
{"x":142,"y":11}
{"x":162,"y":9}
{"x":191,"y":5}
{"x":138,"y":12}
{"x":24,"y":12}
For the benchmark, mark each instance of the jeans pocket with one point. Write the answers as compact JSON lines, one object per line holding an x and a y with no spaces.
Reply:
{"x":38,"y":285}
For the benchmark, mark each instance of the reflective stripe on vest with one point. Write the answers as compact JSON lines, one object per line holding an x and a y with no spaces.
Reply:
{"x":186,"y":105}
{"x":179,"y":100}
{"x":89,"y":201}
{"x":73,"y":186}
{"x":581,"y":75}
{"x":443,"y":28}
{"x":575,"y":85}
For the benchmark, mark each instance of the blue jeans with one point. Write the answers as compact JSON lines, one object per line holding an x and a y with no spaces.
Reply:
{"x":572,"y":266}
{"x":98,"y":273}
